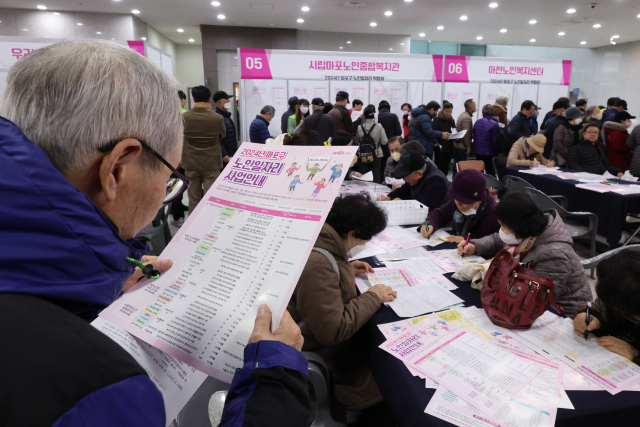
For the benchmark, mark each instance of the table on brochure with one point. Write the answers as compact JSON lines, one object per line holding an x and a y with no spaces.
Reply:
{"x":407,"y":396}
{"x":611,"y":208}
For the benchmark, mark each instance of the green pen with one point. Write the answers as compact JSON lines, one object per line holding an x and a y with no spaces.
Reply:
{"x":147,"y":269}
{"x":426,"y":224}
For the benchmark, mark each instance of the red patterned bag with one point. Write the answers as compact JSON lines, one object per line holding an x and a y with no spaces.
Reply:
{"x":514,"y":296}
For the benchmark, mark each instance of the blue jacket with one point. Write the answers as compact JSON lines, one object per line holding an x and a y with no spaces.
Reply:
{"x":485,"y":132}
{"x":421,"y":130}
{"x":609,"y":115}
{"x":519,"y":127}
{"x":533,"y":124}
{"x":259,"y":130}
{"x":62,"y":260}
{"x":228,"y":144}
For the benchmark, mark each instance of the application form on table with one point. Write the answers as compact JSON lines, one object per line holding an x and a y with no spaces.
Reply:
{"x":479,"y":372}
{"x":424,"y":298}
{"x":554,"y":337}
{"x":450,"y":261}
{"x":392,"y":240}
{"x":422,"y":269}
{"x":245,"y":244}
{"x":176,"y":380}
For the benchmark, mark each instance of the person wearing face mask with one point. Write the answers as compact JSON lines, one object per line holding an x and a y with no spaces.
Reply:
{"x":528,"y":152}
{"x":374,"y":135}
{"x":406,"y":110}
{"x":470,"y":210}
{"x":616,"y":135}
{"x":395,"y":144}
{"x":443,"y":150}
{"x":566,"y":135}
{"x":593,"y":115}
{"x":423,"y":181}
{"x":538,"y":239}
{"x":615,"y":315}
{"x":301,"y":112}
{"x":590,"y":155}
{"x":632,"y":144}
{"x":327,"y":302}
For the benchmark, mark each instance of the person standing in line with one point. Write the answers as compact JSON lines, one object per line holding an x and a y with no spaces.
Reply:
{"x":178,"y":208}
{"x":318,"y":122}
{"x":202,"y":158}
{"x":610,"y":115}
{"x":559,"y":107}
{"x":421,"y":127}
{"x":519,"y":126}
{"x":581,"y":104}
{"x":593,"y":115}
{"x":356,"y":108}
{"x":443,"y":150}
{"x":228,"y":144}
{"x":462,"y":147}
{"x":391,"y":125}
{"x":617,"y":136}
{"x":341,"y":115}
{"x":183,"y":101}
{"x":302,"y":111}
{"x":259,"y":129}
{"x":533,"y":120}
{"x":293,"y":107}
{"x":566,"y":135}
{"x":485,"y":144}
{"x":406,"y":118}
{"x":327,"y":107}
{"x":372,"y":134}
{"x":500,"y":109}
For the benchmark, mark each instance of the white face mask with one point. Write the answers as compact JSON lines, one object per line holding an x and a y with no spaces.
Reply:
{"x":470,"y":212}
{"x":405,"y":112}
{"x":355,"y":250}
{"x":628,"y":123}
{"x":304,"y":110}
{"x":597,"y":116}
{"x":578,"y":121}
{"x":509,"y":239}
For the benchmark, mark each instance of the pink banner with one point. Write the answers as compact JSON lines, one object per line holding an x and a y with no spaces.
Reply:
{"x":271,"y":212}
{"x":254,"y":64}
{"x":456,"y":69}
{"x":437,"y":68}
{"x":138,"y":46}
{"x":566,"y":72}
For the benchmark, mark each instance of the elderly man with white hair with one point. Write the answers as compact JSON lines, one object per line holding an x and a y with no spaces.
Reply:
{"x":89,"y":136}
{"x":500,"y":108}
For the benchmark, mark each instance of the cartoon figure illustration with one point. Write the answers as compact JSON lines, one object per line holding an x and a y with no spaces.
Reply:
{"x":292,"y":184}
{"x":337,"y":172}
{"x":396,"y":328}
{"x":495,"y":334}
{"x":293,"y":168}
{"x":319,"y":186}
{"x":314,"y":170}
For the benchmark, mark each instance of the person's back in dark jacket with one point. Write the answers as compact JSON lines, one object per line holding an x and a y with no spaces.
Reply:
{"x":321,"y":123}
{"x":342,"y":118}
{"x":609,"y":114}
{"x":443,"y":151}
{"x":431,"y":190}
{"x":228,"y":144}
{"x":519,"y":127}
{"x":389,"y":122}
{"x":421,"y":130}
{"x":259,"y":130}
{"x":293,"y":101}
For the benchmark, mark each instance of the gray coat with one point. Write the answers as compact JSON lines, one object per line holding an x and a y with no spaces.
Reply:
{"x":555,"y":258}
{"x":632,"y":143}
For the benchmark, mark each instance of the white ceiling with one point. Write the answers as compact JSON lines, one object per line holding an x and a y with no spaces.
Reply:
{"x":616,"y":17}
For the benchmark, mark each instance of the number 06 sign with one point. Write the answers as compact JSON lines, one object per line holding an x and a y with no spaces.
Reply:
{"x":456,"y":69}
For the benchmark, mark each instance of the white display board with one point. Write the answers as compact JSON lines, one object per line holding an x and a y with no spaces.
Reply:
{"x":522,"y":93}
{"x":309,"y":89}
{"x":548,"y":95}
{"x":490,"y":91}
{"x":264,"y":92}
{"x":432,"y":92}
{"x":414,"y":94}
{"x":154,"y":55}
{"x":458,"y":93}
{"x":356,"y":90}
{"x":167,"y":63}
{"x":395,"y":93}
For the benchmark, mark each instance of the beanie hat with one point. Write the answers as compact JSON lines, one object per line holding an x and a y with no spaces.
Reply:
{"x":469,"y":186}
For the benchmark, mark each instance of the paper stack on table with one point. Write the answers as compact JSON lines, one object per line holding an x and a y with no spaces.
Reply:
{"x":450,"y":261}
{"x":421,"y":299}
{"x":392,"y":239}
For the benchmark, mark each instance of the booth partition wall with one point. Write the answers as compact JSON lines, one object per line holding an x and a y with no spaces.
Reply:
{"x":270,"y":77}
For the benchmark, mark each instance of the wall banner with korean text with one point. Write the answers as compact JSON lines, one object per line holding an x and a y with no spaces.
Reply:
{"x":267,"y":64}
{"x":474,"y":69}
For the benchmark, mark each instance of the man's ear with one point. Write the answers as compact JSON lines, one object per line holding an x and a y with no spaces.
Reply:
{"x":115,"y":166}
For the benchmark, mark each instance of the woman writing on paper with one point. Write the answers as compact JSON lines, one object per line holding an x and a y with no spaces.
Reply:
{"x":535,"y":236}
{"x":325,"y":299}
{"x":615,"y":316}
{"x":470,"y":210}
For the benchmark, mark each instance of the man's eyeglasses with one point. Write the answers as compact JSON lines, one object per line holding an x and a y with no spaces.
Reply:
{"x":177,"y":183}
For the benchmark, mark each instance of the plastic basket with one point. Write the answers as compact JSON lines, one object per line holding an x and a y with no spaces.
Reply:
{"x":404,"y":212}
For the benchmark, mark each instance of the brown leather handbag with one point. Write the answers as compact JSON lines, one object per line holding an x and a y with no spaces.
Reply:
{"x":514,"y":296}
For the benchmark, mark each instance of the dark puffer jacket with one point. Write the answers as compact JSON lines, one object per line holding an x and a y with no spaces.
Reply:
{"x":586,"y":157}
{"x":228,"y":144}
{"x":519,"y":127}
{"x":443,"y":124}
{"x":390,"y":123}
{"x":259,"y":130}
{"x":431,"y":190}
{"x":485,"y":133}
{"x":555,"y":258}
{"x":421,"y":130}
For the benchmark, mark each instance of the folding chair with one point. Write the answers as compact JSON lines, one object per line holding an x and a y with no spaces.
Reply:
{"x":494,"y":185}
{"x":470,"y":164}
{"x":592,"y":263}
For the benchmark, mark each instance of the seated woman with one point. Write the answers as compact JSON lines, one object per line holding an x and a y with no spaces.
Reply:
{"x":590,"y":155}
{"x":528,"y":152}
{"x":470,"y":210}
{"x":395,"y":144}
{"x":615,"y":316}
{"x":328,"y":304}
{"x":539,"y":237}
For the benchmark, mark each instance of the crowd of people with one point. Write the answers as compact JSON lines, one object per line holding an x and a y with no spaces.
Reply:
{"x":80,"y":179}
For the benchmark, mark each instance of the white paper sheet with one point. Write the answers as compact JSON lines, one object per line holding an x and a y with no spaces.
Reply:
{"x":392,"y":239}
{"x":421,"y":299}
{"x":366,"y":177}
{"x":450,"y":261}
{"x":414,"y":253}
{"x":422,"y":270}
{"x":391,"y":181}
{"x":395,"y":278}
{"x":564,"y":402}
{"x":176,"y":380}
{"x":473,"y":368}
{"x":458,"y":135}
{"x":245,"y":244}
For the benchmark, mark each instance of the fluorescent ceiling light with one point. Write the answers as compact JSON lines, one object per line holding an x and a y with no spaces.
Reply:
{"x":390,"y":48}
{"x":180,"y":30}
{"x":300,"y":20}
{"x":143,"y":38}
{"x":583,"y":42}
{"x":135,"y":11}
{"x":533,"y":21}
{"x":615,"y":37}
{"x":78,"y":23}
{"x":479,"y":38}
{"x":56,"y":13}
{"x":572,"y":10}
{"x":191,"y":40}
{"x":101,"y":33}
{"x":41,"y":7}
{"x":388,"y":13}
{"x":373,"y":24}
{"x":492,"y":5}
{"x":440,"y":27}
{"x":348,"y":41}
{"x":532,"y":40}
{"x":221,"y":16}
{"x":504,"y":30}
{"x":215,"y":3}
{"x":561,"y":33}
{"x":597,"y":25}
{"x":341,"y":47}
{"x":421,"y":34}
{"x":305,"y":8}
{"x":464,"y":18}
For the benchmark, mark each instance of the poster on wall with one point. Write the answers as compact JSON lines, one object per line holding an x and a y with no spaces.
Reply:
{"x":309,"y":89}
{"x":356,"y":90}
{"x":458,"y":93}
{"x":270,"y":64}
{"x":395,"y":93}
{"x":259,"y":93}
{"x":478,"y":69}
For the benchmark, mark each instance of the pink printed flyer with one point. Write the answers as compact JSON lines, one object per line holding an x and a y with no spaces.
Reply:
{"x":244,"y":245}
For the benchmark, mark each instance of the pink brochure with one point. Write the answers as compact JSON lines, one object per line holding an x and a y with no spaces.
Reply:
{"x":244,"y":245}
{"x":477,"y":371}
